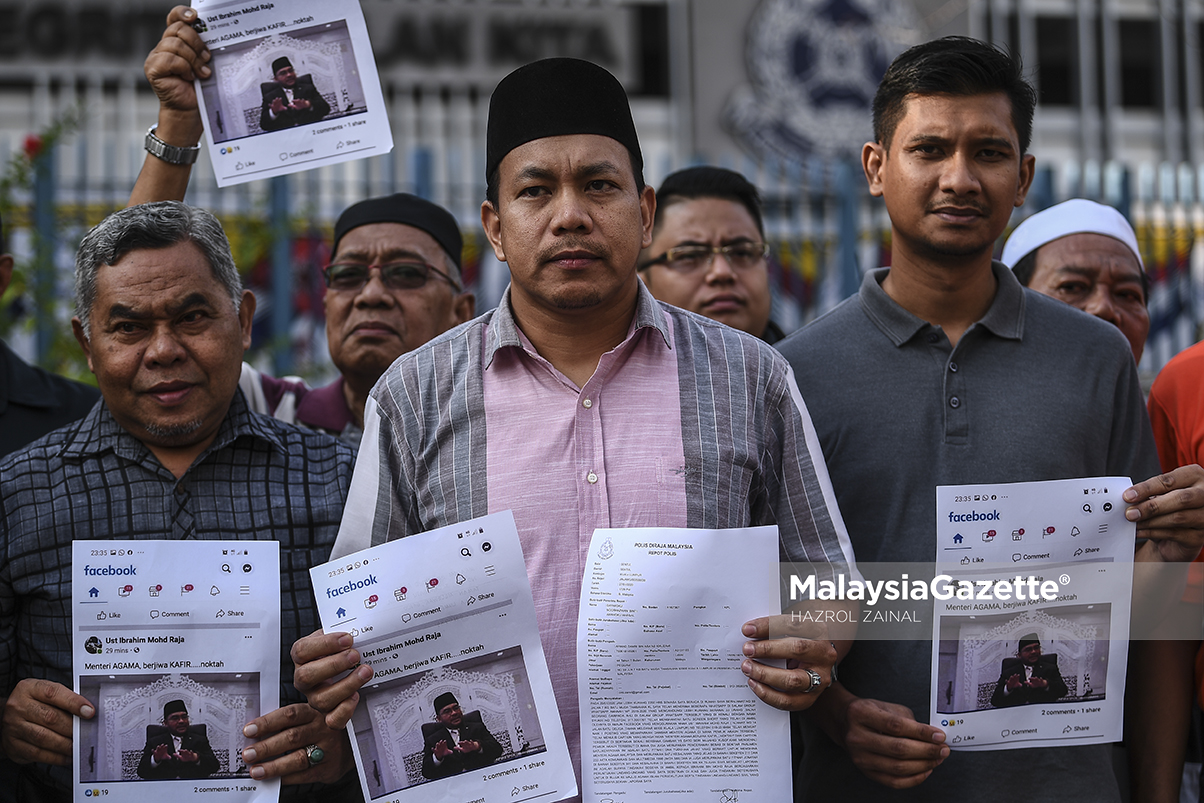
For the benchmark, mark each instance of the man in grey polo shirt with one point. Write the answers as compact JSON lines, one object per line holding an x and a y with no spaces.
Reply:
{"x":944,"y":370}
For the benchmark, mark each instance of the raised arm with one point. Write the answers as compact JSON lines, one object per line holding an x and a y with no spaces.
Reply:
{"x":171,"y":67}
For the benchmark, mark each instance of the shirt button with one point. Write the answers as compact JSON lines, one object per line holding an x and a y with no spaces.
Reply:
{"x":933,"y":337}
{"x":587,"y":403}
{"x":955,"y":402}
{"x":591,"y":477}
{"x":180,"y":489}
{"x":953,"y":367}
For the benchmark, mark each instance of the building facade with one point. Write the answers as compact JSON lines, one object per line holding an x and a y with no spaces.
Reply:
{"x":778,"y":89}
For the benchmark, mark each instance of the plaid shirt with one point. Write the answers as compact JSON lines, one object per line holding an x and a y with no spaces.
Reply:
{"x":259,"y":480}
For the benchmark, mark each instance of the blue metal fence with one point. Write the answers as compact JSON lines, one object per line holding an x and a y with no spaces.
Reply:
{"x":824,"y":228}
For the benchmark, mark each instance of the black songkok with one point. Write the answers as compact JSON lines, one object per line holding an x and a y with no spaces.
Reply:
{"x":444,"y":700}
{"x":1031,"y":638}
{"x":555,"y":97}
{"x":408,"y":209}
{"x":280,"y":63}
{"x":172,"y":707}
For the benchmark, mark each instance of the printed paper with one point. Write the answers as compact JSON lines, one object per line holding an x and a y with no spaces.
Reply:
{"x":665,"y":710}
{"x":1030,"y":642}
{"x":327,"y":107}
{"x":446,"y":617}
{"x":165,"y":626}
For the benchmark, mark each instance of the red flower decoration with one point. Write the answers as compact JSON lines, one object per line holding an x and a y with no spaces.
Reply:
{"x":33,"y":146}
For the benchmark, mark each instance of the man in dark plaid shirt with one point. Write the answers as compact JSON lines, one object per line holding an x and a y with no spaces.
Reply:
{"x":171,"y":452}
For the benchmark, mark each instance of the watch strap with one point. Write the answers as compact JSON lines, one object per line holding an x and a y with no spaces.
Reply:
{"x":172,"y":154}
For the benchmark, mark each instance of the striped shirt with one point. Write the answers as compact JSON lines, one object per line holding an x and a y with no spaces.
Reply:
{"x":686,"y":423}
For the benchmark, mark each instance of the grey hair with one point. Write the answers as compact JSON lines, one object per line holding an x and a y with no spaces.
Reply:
{"x":149,"y":226}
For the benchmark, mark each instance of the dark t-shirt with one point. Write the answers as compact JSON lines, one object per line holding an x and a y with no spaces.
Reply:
{"x":34,"y":402}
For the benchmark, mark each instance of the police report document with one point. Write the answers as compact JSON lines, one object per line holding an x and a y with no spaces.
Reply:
{"x":1031,"y":613}
{"x":665,"y":710}
{"x":177,"y":645}
{"x":294,"y":87}
{"x":460,"y":706}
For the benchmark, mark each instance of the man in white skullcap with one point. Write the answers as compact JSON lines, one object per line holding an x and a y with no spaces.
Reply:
{"x":1085,"y":254}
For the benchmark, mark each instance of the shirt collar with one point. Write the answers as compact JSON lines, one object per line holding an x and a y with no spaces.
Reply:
{"x":1004,"y":318}
{"x":504,"y":331}
{"x":99,"y":432}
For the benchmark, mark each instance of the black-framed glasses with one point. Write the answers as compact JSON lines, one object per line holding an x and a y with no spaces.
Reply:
{"x":689,"y":258}
{"x":409,"y":275}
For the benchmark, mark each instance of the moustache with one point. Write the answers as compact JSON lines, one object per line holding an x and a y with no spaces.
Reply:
{"x":572,"y":244}
{"x":971,"y":205}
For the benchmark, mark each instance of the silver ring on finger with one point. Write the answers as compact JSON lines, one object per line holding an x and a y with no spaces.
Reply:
{"x":314,"y":755}
{"x":816,"y":681}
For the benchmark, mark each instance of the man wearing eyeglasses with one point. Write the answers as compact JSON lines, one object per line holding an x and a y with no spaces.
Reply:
{"x":708,"y":250}
{"x":393,"y":282}
{"x":392,"y":285}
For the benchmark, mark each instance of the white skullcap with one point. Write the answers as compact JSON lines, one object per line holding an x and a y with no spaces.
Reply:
{"x":1076,"y":216}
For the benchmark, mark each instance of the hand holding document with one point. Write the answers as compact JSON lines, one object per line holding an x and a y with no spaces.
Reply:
{"x":1030,"y":645}
{"x":460,"y":706}
{"x":294,"y":87}
{"x":177,"y":644}
{"x":659,"y":651}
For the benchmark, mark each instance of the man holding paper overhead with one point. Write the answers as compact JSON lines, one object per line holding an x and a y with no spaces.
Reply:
{"x":372,"y":317}
{"x":582,"y":402}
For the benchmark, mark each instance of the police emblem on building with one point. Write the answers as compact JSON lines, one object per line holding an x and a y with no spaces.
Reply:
{"x":814,"y":66}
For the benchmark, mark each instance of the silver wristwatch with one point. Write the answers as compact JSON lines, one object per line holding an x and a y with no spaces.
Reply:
{"x":172,"y":154}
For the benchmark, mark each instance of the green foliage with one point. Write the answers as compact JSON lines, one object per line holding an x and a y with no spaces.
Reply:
{"x":36,"y":280}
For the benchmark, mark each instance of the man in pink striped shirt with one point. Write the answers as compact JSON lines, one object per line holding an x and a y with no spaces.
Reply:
{"x":582,"y":402}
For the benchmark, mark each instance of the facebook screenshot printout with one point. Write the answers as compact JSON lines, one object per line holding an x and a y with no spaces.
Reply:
{"x":294,"y":87}
{"x":1031,"y":613}
{"x":460,"y":706}
{"x":177,"y":644}
{"x":659,"y":650}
